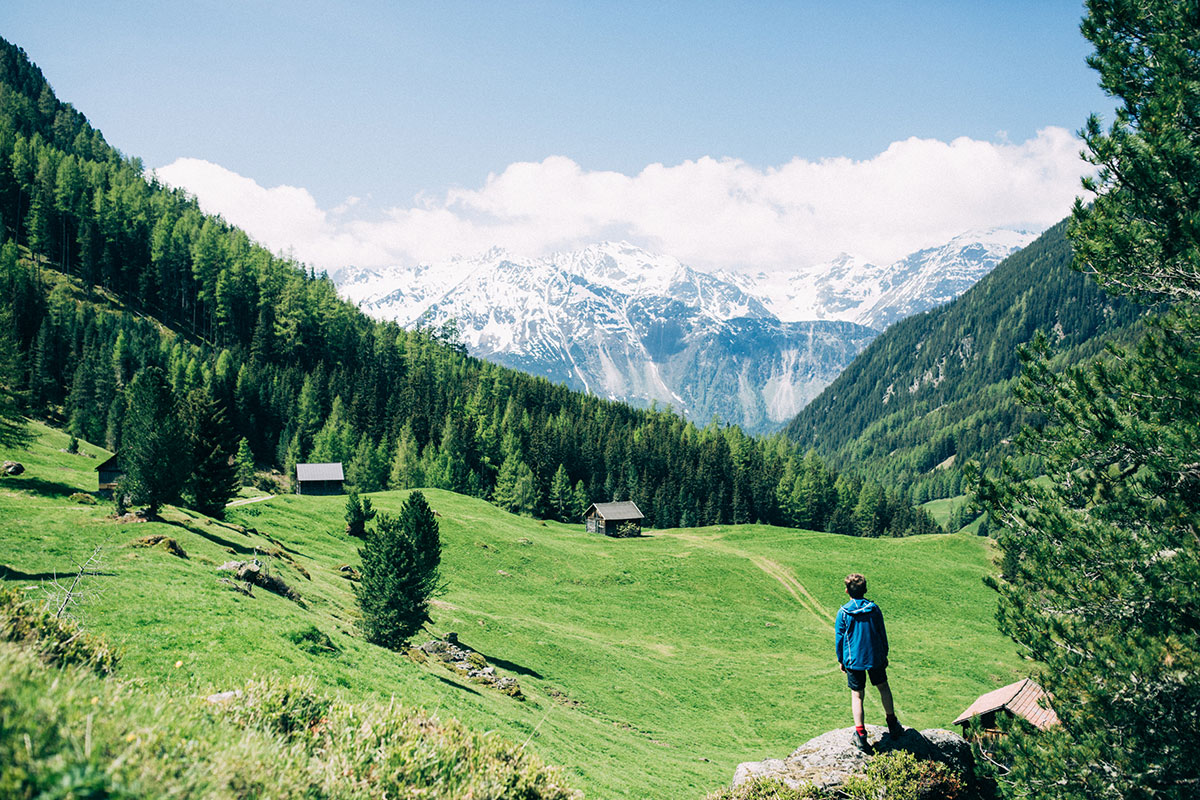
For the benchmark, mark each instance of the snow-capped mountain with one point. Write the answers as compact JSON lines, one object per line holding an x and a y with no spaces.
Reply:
{"x":626,"y":324}
{"x":851,"y":289}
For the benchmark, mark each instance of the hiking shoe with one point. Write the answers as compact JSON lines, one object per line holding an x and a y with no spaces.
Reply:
{"x":895,"y":729}
{"x":861,"y":742}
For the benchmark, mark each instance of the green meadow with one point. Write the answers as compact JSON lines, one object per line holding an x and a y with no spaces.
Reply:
{"x":651,"y":666}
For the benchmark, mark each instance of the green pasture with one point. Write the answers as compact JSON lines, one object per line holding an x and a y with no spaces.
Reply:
{"x":652,"y":666}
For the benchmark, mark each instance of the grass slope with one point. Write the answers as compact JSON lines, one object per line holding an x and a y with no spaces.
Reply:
{"x":652,"y":666}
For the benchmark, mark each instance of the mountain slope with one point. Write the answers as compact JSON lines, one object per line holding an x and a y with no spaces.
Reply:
{"x":106,"y":273}
{"x":934,"y":389}
{"x":652,"y":666}
{"x":622,"y":323}
{"x":853,"y":290}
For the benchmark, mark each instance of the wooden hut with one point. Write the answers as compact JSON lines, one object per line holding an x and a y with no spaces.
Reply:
{"x":108,"y":473}
{"x":1024,"y":699}
{"x":320,"y":478}
{"x":612,"y":519}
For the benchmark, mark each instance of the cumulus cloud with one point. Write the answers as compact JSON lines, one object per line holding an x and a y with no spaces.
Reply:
{"x":707,"y":212}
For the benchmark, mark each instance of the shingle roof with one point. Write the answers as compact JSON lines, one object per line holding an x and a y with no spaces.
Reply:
{"x":626,"y":509}
{"x":320,"y":472}
{"x":1020,"y":698}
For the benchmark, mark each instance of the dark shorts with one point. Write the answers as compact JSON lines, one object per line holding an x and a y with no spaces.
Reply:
{"x":856,"y":679}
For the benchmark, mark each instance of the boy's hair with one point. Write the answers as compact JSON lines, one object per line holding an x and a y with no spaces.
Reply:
{"x":856,"y":585}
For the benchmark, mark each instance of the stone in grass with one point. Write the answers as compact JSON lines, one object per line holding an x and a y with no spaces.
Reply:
{"x":252,"y":572}
{"x":826,"y":761}
{"x":83,"y":498}
{"x":467,"y":663}
{"x":162,"y":542}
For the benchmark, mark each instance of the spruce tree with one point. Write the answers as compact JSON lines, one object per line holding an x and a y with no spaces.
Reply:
{"x":1101,"y":583}
{"x":154,"y":449}
{"x":560,"y":494}
{"x":400,"y":573}
{"x":244,"y":460}
{"x":358,"y":514}
{"x":212,"y":480}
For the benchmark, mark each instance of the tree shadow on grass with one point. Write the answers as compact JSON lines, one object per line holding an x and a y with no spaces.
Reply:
{"x":220,"y":541}
{"x":40,"y":486}
{"x":7,"y":573}
{"x":455,"y":684}
{"x":505,"y":665}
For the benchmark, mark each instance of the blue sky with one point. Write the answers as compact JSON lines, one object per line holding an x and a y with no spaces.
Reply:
{"x":400,"y":105}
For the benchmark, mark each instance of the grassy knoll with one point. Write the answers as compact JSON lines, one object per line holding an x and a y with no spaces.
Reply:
{"x":652,"y":666}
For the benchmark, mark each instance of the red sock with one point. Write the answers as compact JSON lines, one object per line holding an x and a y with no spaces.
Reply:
{"x":860,"y":730}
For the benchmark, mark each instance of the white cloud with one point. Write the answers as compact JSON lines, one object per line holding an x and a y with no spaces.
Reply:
{"x":707,"y":212}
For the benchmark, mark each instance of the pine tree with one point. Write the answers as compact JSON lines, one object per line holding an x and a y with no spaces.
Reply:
{"x":580,"y":501}
{"x":213,"y":477}
{"x":406,"y":463}
{"x":154,"y":448}
{"x":1101,"y":563}
{"x":400,"y":573}
{"x":560,"y":494}
{"x":358,"y":514}
{"x":244,"y":460}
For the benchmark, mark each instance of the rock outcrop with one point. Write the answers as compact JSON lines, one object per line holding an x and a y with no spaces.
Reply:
{"x":827,"y":760}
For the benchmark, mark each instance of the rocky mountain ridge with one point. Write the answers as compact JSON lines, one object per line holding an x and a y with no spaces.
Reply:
{"x":626,"y":324}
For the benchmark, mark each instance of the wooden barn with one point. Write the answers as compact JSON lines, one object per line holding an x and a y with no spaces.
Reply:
{"x":1022,"y":699}
{"x":108,"y":473}
{"x":319,"y":478}
{"x":612,"y":518}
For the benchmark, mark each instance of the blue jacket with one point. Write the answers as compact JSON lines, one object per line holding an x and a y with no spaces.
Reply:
{"x":859,"y":636}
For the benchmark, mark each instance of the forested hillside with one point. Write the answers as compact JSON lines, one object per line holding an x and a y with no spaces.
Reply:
{"x":935,"y":390}
{"x":105,"y":272}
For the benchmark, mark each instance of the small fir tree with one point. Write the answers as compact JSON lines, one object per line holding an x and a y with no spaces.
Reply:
{"x":400,"y":574}
{"x":244,"y":460}
{"x":560,"y":494}
{"x":358,"y":514}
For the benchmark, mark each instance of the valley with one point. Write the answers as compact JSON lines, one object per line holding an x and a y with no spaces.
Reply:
{"x":614,"y":320}
{"x":651,"y":666}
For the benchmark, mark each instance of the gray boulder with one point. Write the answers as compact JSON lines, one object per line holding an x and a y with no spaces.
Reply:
{"x":829,"y":759}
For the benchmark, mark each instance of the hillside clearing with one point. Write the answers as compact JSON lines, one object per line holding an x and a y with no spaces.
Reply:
{"x":652,"y":666}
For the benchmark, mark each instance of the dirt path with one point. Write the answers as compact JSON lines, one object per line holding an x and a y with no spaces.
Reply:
{"x":247,"y":500}
{"x":774,"y":569}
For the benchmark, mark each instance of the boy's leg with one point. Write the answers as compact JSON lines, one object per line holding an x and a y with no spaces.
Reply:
{"x":856,"y":706}
{"x":885,"y":698}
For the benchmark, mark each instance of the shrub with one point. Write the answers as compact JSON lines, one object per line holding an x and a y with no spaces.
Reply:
{"x":768,"y":789}
{"x":70,"y":734}
{"x":158,"y":540}
{"x":899,"y":775}
{"x":315,"y":641}
{"x":56,"y":641}
{"x":628,"y":530}
{"x":291,"y":709}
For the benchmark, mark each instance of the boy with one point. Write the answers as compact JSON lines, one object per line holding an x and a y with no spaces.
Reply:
{"x":862,"y":647}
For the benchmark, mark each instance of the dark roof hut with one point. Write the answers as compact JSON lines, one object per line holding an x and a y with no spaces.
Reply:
{"x":108,"y":473}
{"x":1024,"y":699}
{"x":614,"y":519}
{"x":320,"y":478}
